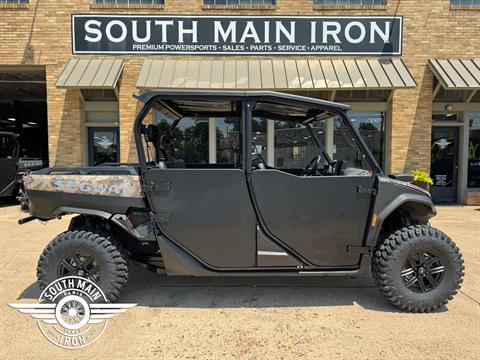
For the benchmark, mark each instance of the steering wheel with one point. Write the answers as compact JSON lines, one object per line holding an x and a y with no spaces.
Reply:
{"x":339,"y":164}
{"x":312,"y":166}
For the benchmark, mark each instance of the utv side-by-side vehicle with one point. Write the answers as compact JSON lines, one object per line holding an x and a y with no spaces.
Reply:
{"x":294,"y":191}
{"x":13,"y":167}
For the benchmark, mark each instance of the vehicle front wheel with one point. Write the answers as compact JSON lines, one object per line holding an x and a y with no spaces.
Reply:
{"x":418,"y":268}
{"x":92,"y":254}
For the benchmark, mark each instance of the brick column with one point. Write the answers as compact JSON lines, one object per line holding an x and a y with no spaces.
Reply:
{"x":128,"y":108}
{"x":412,"y":123}
{"x":65,"y":124}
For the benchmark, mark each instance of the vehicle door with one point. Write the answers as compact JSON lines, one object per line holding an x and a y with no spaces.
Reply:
{"x":317,"y":217}
{"x":8,"y":160}
{"x":201,"y":199}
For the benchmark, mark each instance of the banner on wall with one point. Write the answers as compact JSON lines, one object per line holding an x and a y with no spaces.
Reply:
{"x":237,"y":35}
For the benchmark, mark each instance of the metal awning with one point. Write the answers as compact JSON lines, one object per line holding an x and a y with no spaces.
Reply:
{"x":275,"y":74}
{"x":454,"y":74}
{"x":91,"y":74}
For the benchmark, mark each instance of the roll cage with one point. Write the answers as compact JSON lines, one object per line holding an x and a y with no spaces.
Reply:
{"x":177,"y":104}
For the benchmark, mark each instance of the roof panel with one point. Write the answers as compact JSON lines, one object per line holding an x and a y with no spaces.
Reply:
{"x":216,"y":75}
{"x":472,"y":68}
{"x":254,"y":74}
{"x":180,"y":74}
{"x":464,"y":73}
{"x":144,"y":71}
{"x":92,"y":69}
{"x":268,"y":80}
{"x":279,"y":74}
{"x":62,"y":79}
{"x":166,"y":77}
{"x":292,"y":74}
{"x":379,"y":74}
{"x":392,"y":73}
{"x":304,"y":74}
{"x":229,"y":74}
{"x":77,"y":73}
{"x":342,"y":74}
{"x":154,"y":74}
{"x":113,"y":75}
{"x":354,"y":73}
{"x":452,"y":73}
{"x":404,"y":73}
{"x":318,"y":78}
{"x":440,"y":74}
{"x":242,"y":74}
{"x":329,"y":72}
{"x":205,"y":74}
{"x":193,"y":68}
{"x":367,"y":74}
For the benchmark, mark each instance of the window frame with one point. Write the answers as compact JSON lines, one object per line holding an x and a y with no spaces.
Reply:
{"x":115,"y":4}
{"x":462,"y":6}
{"x":320,"y":6}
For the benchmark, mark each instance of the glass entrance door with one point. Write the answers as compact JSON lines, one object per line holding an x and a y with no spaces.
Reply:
{"x":103,"y":145}
{"x":444,"y":164}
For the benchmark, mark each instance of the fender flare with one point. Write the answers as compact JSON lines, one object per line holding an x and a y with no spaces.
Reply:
{"x":394,"y":205}
{"x":80,"y":211}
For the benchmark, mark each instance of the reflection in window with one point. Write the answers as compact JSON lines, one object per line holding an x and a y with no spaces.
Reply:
{"x":474,"y":151}
{"x":8,"y":147}
{"x":14,"y":2}
{"x":239,"y":2}
{"x":446,"y":117}
{"x":128,"y":2}
{"x":103,"y":145}
{"x":465,"y":2}
{"x":349,"y":2}
{"x":345,"y":147}
{"x":228,"y":140}
{"x":191,"y":139}
{"x":371,"y":126}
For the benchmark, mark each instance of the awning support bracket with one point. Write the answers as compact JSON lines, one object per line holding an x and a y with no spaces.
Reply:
{"x":471,"y":95}
{"x":436,"y":90}
{"x":390,"y":96}
{"x":332,"y":95}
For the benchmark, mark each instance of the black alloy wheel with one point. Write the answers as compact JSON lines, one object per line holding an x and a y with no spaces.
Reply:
{"x":79,"y":265}
{"x":422,"y":272}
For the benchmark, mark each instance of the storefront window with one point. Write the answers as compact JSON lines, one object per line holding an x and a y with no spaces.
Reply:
{"x":465,"y":2}
{"x":228,"y":140}
{"x":128,"y":2}
{"x":474,"y":151}
{"x":349,"y":2}
{"x":14,"y":2}
{"x":239,"y":2}
{"x":103,"y":145}
{"x":371,"y":126}
{"x":446,"y":117}
{"x":191,"y":139}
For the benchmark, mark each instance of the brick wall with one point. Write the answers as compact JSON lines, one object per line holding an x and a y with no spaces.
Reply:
{"x":40,"y":34}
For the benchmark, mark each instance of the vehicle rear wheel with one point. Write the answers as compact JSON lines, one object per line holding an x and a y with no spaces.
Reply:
{"x":418,"y":268}
{"x":92,"y":254}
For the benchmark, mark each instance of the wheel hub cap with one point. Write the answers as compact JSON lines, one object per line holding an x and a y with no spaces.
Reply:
{"x":422,"y":271}
{"x":79,"y":265}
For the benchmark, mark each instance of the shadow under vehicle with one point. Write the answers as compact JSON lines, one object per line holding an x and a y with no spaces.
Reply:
{"x":331,"y":216}
{"x":13,"y":167}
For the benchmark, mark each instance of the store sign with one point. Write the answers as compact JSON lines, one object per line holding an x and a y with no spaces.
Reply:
{"x":237,"y":35}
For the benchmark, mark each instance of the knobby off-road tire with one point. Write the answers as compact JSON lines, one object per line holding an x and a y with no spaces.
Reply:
{"x":405,"y":282}
{"x":107,"y":261}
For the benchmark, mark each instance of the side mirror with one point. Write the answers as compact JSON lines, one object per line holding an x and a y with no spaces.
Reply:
{"x":402,"y":177}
